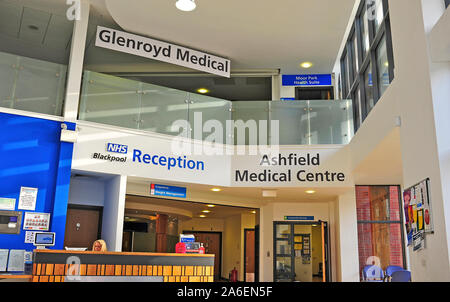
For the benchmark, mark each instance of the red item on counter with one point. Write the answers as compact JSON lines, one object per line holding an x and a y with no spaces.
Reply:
{"x":201,"y":250}
{"x":180,"y":248}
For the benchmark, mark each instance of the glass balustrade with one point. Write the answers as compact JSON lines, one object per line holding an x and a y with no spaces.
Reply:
{"x":131,"y":104}
{"x":31,"y":85}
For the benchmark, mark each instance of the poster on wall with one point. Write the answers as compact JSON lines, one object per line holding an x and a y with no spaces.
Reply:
{"x":8,"y":204}
{"x":36,"y":221}
{"x":418,"y":215}
{"x":27,"y":198}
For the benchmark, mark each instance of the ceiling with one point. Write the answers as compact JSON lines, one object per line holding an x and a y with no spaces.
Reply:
{"x":253,"y":34}
{"x":191,"y":209}
{"x":37,"y":29}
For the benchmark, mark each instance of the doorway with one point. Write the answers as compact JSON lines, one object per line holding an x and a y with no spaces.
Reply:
{"x":314,"y":93}
{"x":83,"y":226}
{"x":249,"y":255}
{"x":212,"y":242}
{"x":301,"y":252}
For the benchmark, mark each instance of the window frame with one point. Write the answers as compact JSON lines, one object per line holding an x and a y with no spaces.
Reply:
{"x":400,"y":221}
{"x":365,"y":58}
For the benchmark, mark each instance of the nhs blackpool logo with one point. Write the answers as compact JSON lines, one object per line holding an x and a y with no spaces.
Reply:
{"x":117,"y":148}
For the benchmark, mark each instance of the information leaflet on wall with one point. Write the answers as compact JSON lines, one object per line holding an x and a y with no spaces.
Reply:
{"x":167,"y":191}
{"x":27,"y":198}
{"x":8,"y":204}
{"x":29,"y":236}
{"x":16,"y":261}
{"x":3,"y":259}
{"x":36,"y":221}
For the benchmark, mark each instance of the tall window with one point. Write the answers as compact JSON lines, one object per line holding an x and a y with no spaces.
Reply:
{"x":367,"y":64}
{"x":380,"y":236}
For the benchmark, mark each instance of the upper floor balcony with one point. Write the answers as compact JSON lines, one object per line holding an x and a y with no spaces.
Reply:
{"x":39,"y":86}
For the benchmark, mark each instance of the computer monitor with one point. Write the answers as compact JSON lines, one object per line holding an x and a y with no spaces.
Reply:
{"x":43,"y":239}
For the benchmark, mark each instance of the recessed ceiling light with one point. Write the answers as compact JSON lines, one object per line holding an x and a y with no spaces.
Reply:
{"x":310,"y":191}
{"x":306,"y":65}
{"x":202,"y":90}
{"x":216,"y":189}
{"x":202,"y":216}
{"x":206,"y":211}
{"x":210,"y":206}
{"x":185,"y":5}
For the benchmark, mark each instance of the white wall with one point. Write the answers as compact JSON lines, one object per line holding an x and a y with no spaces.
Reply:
{"x":87,"y":191}
{"x":113,"y":212}
{"x":347,"y":238}
{"x":423,"y":99}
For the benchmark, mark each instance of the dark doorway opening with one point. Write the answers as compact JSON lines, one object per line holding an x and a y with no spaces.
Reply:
{"x":314,"y":93}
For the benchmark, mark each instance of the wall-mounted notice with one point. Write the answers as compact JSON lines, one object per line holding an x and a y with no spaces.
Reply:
{"x":168,"y":191}
{"x":162,"y":51}
{"x":29,"y":236}
{"x":8,"y":204}
{"x":418,"y":217}
{"x":16,"y":261}
{"x":36,"y":221}
{"x":3,"y":259}
{"x":27,"y":198}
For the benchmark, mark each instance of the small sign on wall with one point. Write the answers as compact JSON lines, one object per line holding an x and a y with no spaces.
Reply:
{"x":27,"y":198}
{"x":36,"y":221}
{"x":8,"y":204}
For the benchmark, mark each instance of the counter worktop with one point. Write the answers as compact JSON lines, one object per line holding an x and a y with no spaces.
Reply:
{"x":56,"y":265}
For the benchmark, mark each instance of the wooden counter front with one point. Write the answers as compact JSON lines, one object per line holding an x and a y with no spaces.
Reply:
{"x":52,"y":265}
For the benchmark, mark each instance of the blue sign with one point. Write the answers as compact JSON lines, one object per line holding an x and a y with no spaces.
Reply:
{"x":116,"y":148}
{"x":168,"y":191}
{"x":298,"y":217}
{"x":287,"y":99}
{"x":306,"y":80}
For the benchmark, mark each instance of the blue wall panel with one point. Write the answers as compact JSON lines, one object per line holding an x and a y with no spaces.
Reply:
{"x":32,"y":155}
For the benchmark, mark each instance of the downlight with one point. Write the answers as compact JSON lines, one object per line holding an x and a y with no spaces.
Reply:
{"x":186,"y":5}
{"x":306,"y":65}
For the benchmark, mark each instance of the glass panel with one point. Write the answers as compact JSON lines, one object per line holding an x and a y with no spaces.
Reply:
{"x":331,"y":122}
{"x":355,"y":56}
{"x":382,"y":67}
{"x":379,"y":14}
{"x":31,"y":85}
{"x":110,"y":100}
{"x":251,"y":113}
{"x":368,"y":83}
{"x":214,"y":114}
{"x":8,"y":74}
{"x":283,"y":230}
{"x":357,"y":107}
{"x":160,"y":107}
{"x":380,"y":240}
{"x":365,"y":32}
{"x":40,"y":86}
{"x":347,"y":73}
{"x":293,"y":121}
{"x":283,"y":247}
{"x":283,"y":266}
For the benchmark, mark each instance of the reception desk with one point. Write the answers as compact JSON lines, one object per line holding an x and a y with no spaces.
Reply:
{"x":88,"y":266}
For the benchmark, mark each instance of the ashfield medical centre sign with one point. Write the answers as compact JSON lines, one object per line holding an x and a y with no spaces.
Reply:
{"x":117,"y":152}
{"x":161,"y":51}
